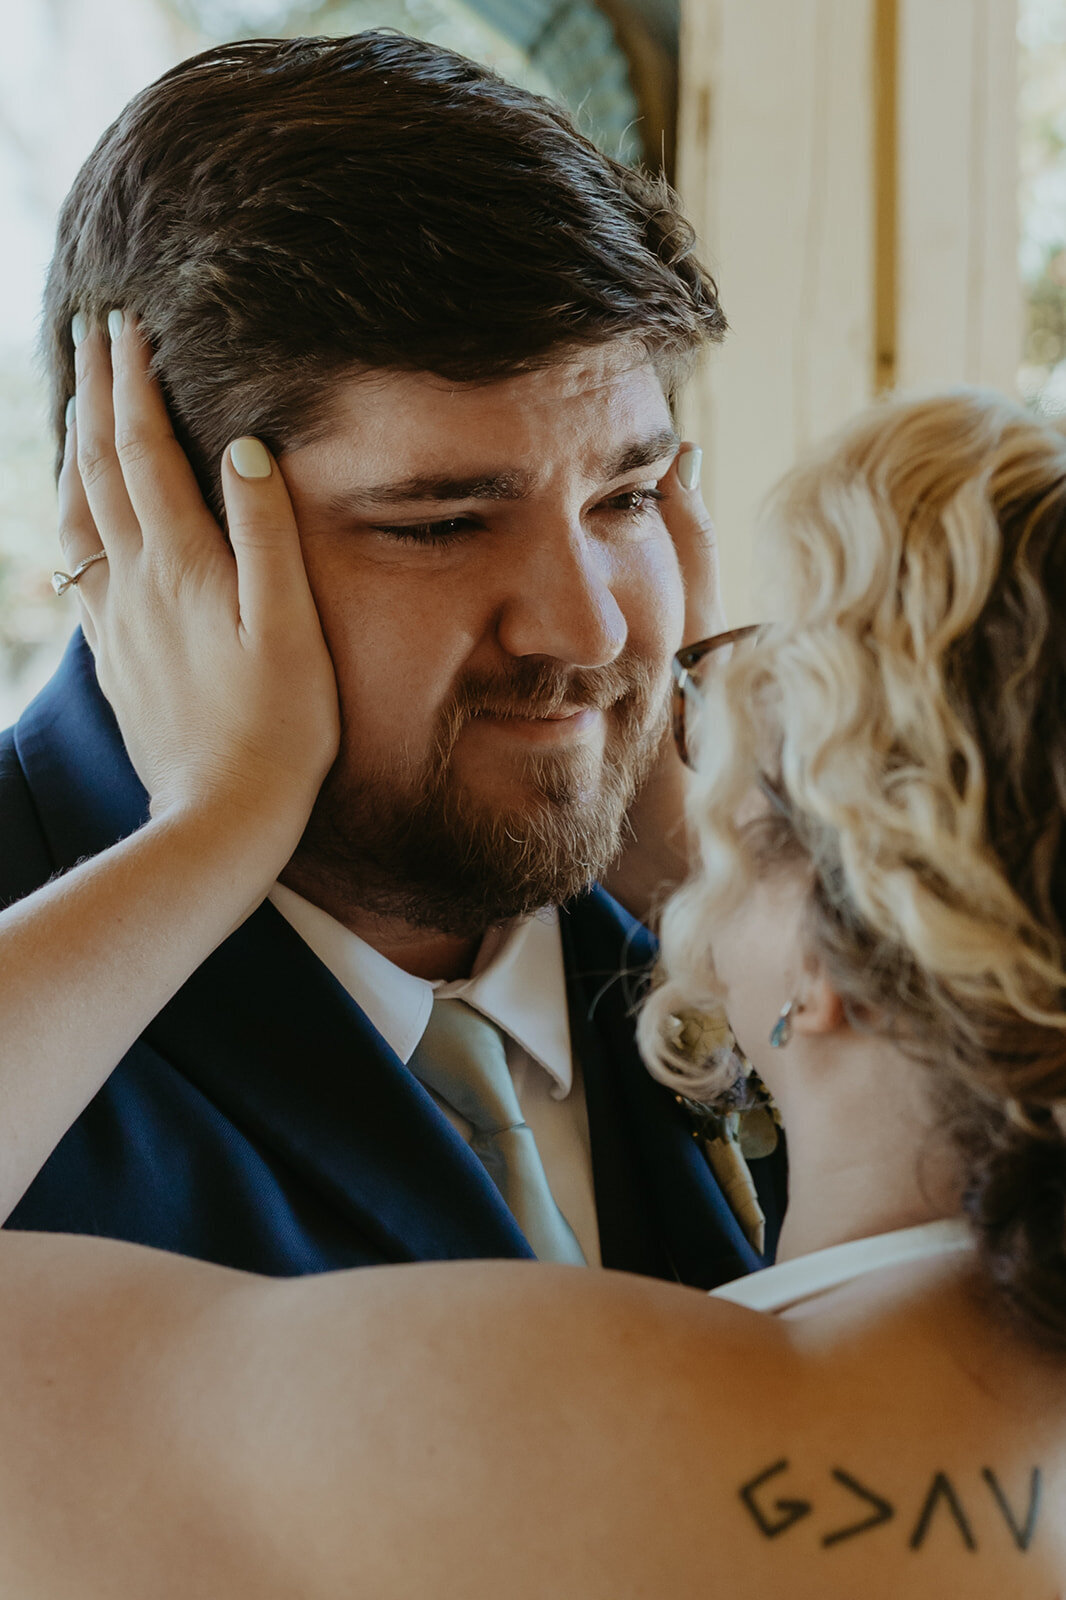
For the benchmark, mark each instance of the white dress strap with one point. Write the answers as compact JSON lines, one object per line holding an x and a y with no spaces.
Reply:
{"x":777,"y":1288}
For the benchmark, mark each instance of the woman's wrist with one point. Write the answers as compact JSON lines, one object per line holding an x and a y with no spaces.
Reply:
{"x":251,"y":833}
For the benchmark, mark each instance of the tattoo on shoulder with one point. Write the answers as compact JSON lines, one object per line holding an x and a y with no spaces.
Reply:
{"x":942,"y":1508}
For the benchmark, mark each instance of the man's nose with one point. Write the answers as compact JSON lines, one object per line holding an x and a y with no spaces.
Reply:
{"x":561,"y":603}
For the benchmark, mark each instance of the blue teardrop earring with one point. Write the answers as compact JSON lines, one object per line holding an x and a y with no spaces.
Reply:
{"x":781,"y":1032}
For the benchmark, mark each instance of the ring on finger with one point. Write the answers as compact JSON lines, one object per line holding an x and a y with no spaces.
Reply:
{"x":62,"y":581}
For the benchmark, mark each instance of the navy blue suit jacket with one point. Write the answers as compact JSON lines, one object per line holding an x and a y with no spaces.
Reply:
{"x":262,"y":1122}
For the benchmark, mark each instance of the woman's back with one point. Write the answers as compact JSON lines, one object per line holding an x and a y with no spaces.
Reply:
{"x":551,"y":1432}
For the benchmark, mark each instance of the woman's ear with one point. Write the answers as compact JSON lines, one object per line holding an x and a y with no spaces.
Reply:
{"x":818,"y":1009}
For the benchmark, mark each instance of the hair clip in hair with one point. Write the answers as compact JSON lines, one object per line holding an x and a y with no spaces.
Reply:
{"x":781,"y":1032}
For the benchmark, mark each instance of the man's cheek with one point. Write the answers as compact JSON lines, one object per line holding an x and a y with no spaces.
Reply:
{"x":656,"y":610}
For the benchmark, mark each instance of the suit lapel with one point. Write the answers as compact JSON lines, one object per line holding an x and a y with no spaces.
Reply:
{"x":629,"y":1239}
{"x":265,"y":1031}
{"x":660,"y":1205}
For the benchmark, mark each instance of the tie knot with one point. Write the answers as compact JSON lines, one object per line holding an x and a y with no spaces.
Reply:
{"x":463,"y":1059}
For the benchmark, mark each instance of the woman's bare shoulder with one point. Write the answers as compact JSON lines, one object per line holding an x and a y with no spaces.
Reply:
{"x":627,"y":1437}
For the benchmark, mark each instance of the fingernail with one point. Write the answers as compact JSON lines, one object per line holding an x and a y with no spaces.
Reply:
{"x":115,"y":319}
{"x":688,"y":468}
{"x":249,"y":458}
{"x":79,"y":327}
{"x":71,"y":412}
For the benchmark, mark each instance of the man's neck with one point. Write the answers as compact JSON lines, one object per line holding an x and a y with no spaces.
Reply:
{"x":424,"y":952}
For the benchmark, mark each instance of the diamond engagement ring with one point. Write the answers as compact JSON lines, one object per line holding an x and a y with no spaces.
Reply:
{"x":62,"y":581}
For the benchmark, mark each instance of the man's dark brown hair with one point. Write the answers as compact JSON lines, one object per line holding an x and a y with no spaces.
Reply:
{"x":281,"y":214}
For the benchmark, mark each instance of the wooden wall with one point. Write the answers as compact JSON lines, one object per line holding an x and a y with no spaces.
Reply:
{"x":850,"y":166}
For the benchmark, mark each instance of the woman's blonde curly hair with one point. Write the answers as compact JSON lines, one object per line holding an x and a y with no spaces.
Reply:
{"x":909,"y":706}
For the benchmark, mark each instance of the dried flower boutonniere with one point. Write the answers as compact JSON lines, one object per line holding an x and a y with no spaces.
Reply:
{"x":740,"y":1124}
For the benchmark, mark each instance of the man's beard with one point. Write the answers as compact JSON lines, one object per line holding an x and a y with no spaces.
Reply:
{"x":416,"y":845}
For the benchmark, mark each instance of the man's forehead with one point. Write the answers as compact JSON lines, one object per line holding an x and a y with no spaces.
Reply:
{"x":622,"y":363}
{"x":606,"y":373}
{"x":579,"y":403}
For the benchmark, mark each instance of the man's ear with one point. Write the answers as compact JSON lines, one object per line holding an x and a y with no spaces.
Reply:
{"x":818,"y":1008}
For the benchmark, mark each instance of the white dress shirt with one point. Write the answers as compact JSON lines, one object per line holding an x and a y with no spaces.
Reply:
{"x":519,"y":982}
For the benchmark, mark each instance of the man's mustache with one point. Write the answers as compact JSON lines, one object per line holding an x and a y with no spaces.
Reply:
{"x":539,"y":689}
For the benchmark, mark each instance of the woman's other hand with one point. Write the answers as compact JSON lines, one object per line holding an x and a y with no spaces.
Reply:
{"x":696,"y":543}
{"x":657,"y":851}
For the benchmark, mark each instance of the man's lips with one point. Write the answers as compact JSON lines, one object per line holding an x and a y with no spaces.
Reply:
{"x":545,"y":727}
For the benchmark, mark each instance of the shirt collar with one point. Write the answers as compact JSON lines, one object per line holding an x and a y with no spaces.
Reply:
{"x":518,"y":982}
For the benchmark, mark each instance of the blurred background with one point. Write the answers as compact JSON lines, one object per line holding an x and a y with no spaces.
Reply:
{"x":879,"y":186}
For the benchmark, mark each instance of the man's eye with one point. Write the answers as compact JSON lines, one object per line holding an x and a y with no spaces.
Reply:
{"x":633,"y":502}
{"x":447,"y":531}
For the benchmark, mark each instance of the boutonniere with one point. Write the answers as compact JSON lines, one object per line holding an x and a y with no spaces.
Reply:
{"x":741,"y":1123}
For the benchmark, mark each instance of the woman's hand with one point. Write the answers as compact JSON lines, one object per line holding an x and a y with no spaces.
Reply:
{"x":211,"y":654}
{"x":690,"y":527}
{"x":657,"y":852}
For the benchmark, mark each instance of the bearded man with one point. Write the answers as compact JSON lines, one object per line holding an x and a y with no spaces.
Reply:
{"x":459,"y":328}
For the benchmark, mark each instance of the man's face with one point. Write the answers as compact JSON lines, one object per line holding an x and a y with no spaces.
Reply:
{"x":501,"y":600}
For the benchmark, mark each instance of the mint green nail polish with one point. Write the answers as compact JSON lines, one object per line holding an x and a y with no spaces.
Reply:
{"x":79,"y":327}
{"x":115,"y":321}
{"x":249,"y":458}
{"x":71,"y":411}
{"x":688,"y":468}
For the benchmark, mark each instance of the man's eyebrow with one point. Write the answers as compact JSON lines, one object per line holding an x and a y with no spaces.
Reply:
{"x":431,"y":486}
{"x":510,"y":485}
{"x":642,"y":453}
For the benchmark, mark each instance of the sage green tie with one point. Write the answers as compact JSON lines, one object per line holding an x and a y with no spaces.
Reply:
{"x":463,"y":1060}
